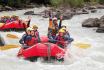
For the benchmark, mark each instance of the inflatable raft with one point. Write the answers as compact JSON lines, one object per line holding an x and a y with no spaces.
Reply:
{"x":13,"y":26}
{"x":44,"y":49}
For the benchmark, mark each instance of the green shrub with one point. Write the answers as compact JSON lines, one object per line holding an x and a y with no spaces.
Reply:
{"x":73,"y":3}
{"x":14,"y":2}
{"x":101,"y":1}
{"x":76,"y":3}
{"x":94,"y":2}
{"x":10,"y":2}
{"x":56,"y":2}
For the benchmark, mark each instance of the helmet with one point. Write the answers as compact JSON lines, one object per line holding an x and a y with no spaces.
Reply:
{"x":34,"y":26}
{"x":54,"y":18}
{"x":13,"y":15}
{"x":63,"y":28}
{"x":61,"y":31}
{"x":29,"y":29}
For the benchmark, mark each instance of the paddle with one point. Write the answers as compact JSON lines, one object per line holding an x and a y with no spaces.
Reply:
{"x":12,"y":36}
{"x":7,"y":47}
{"x":78,"y":44}
{"x":82,"y":45}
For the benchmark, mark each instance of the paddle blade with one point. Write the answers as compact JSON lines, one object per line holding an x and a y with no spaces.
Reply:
{"x":82,"y":45}
{"x":12,"y":36}
{"x":7,"y":47}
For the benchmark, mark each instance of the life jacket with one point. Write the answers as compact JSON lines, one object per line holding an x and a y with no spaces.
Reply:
{"x":55,"y":30}
{"x":36,"y":33}
{"x":32,"y":42}
{"x":56,"y":26}
{"x":66,"y":33}
{"x":7,"y":21}
{"x":50,"y":24}
{"x":53,"y":27}
{"x":60,"y":40}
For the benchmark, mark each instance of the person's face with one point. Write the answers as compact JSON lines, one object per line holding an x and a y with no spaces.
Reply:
{"x":61,"y":34}
{"x":28,"y":32}
{"x":35,"y":29}
{"x":55,"y":21}
{"x":32,"y":33}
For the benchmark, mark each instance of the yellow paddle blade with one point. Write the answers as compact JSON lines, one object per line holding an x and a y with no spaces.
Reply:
{"x":82,"y":45}
{"x":12,"y":36}
{"x":7,"y":47}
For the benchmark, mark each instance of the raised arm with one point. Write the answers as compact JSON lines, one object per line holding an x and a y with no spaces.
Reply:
{"x":60,"y":23}
{"x":50,"y":19}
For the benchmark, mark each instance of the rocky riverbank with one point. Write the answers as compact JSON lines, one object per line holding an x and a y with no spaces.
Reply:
{"x":67,"y":12}
{"x":9,"y":8}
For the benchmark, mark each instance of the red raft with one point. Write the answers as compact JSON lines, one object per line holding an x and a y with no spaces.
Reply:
{"x":43,"y":50}
{"x":15,"y":25}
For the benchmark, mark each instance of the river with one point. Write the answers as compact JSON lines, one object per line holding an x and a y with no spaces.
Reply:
{"x":78,"y":59}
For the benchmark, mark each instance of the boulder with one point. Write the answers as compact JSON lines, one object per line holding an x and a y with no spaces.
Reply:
{"x":102,"y":18}
{"x":68,"y":14}
{"x":2,"y":42}
{"x":29,"y":13}
{"x":101,"y":26}
{"x":57,"y":13}
{"x":93,"y":11}
{"x":8,"y":8}
{"x":100,"y":6}
{"x":100,"y":30}
{"x":102,"y":22}
{"x":84,"y":10}
{"x":92,"y":7}
{"x":81,"y":12}
{"x":91,"y":22}
{"x":45,"y":13}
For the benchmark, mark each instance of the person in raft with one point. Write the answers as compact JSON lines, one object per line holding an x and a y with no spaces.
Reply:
{"x":36,"y":32}
{"x":62,"y":39}
{"x":25,"y":37}
{"x":67,"y":34}
{"x":33,"y":39}
{"x":53,"y":27}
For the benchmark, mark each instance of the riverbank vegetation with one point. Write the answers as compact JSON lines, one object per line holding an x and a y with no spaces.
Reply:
{"x":55,"y":3}
{"x":75,"y":3}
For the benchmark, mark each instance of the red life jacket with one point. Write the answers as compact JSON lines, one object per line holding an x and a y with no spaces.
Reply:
{"x":56,"y":26}
{"x":55,"y":30}
{"x":36,"y":34}
{"x":32,"y":42}
{"x":61,"y":40}
{"x":7,"y":21}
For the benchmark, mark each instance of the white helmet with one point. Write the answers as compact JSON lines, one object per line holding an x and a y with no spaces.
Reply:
{"x":29,"y":29}
{"x":54,"y":18}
